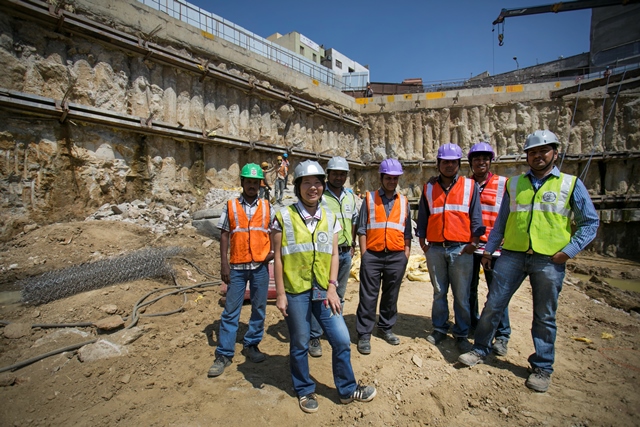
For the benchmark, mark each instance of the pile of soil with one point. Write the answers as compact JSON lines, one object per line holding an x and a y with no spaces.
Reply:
{"x":161,"y":378}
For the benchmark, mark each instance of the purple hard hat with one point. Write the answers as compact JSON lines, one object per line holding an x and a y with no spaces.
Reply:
{"x":481,"y":147}
{"x":391,"y":167}
{"x":449,"y":151}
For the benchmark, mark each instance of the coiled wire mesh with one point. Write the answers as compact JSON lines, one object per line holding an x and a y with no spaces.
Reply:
{"x":58,"y":284}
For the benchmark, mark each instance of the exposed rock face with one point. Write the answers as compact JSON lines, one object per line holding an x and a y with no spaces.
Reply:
{"x":58,"y":171}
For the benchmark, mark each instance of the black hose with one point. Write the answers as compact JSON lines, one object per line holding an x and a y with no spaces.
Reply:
{"x":44,"y":356}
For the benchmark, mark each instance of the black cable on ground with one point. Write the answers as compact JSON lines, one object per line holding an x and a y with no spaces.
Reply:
{"x":44,"y":356}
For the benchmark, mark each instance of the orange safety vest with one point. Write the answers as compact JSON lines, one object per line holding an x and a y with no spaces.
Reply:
{"x":382,"y":232}
{"x":449,"y":213}
{"x":249,"y":239}
{"x":490,"y":201}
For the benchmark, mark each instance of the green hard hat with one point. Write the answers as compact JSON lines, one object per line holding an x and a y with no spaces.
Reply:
{"x":251,"y":170}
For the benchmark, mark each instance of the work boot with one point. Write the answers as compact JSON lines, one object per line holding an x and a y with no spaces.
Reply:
{"x":436,"y":337}
{"x":500,"y":346}
{"x":463,"y":345}
{"x":362,"y":393}
{"x":218,"y":366}
{"x":315,"y":348}
{"x":471,"y":358}
{"x":389,"y":337}
{"x":308,"y":403}
{"x":538,"y":380}
{"x":364,"y":346}
{"x":254,"y":354}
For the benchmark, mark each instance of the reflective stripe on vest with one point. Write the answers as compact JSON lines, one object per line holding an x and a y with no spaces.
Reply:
{"x":490,"y":201}
{"x":343,"y":210}
{"x":382,"y":232}
{"x":539,"y":220}
{"x":305,"y":255}
{"x":249,"y":238}
{"x":449,"y":212}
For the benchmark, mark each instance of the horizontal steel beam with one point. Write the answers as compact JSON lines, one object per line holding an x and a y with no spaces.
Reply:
{"x":70,"y":22}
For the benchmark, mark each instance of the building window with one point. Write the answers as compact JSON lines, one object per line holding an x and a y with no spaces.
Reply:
{"x":315,"y":58}
{"x":338,"y":64}
{"x":301,"y":50}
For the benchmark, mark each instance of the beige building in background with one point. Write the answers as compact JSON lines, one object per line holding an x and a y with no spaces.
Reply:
{"x":299,"y":44}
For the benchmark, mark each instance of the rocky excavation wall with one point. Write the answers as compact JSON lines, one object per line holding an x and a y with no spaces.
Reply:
{"x":171,"y":133}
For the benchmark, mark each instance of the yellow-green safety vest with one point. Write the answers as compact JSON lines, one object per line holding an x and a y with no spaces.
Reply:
{"x":305,"y":255}
{"x":539,"y":220}
{"x":343,"y":210}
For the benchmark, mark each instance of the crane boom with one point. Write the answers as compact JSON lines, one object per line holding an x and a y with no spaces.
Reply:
{"x":559,"y":7}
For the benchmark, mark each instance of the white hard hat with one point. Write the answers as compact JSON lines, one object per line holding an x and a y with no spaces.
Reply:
{"x":541,"y":137}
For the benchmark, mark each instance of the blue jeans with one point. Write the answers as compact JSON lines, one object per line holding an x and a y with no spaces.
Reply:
{"x":343,"y":277}
{"x":258,"y":286}
{"x":300,"y":310}
{"x":447,"y":267}
{"x":504,"y":327}
{"x":546,"y":283}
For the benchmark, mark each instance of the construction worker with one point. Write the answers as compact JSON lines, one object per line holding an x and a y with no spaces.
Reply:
{"x":450,"y":220}
{"x":265,"y":188}
{"x":244,"y":226}
{"x":281,"y":176}
{"x":492,"y":188}
{"x":384,"y":232}
{"x":305,"y":237}
{"x":535,"y":223}
{"x":342,"y":203}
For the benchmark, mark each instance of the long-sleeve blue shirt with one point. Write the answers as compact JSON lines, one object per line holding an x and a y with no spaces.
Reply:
{"x":475,"y":213}
{"x":584,"y":214}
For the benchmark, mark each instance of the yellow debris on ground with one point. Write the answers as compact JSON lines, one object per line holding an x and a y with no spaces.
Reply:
{"x":416,"y":268}
{"x":607,"y":336}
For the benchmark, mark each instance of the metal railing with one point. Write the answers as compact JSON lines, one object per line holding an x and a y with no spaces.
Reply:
{"x":523,"y":76}
{"x":223,"y":29}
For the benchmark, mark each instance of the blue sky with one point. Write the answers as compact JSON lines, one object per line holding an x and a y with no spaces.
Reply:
{"x":434,"y":40}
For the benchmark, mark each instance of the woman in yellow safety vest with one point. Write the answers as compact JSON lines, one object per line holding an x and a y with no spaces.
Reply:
{"x":305,"y":237}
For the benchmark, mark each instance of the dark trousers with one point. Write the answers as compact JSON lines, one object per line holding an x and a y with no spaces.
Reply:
{"x":388,"y":267}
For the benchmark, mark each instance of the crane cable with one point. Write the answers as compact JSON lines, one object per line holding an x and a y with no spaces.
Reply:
{"x":573,"y":117}
{"x":583,"y":175}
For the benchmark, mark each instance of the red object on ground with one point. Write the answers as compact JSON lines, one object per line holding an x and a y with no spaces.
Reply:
{"x":271,"y":292}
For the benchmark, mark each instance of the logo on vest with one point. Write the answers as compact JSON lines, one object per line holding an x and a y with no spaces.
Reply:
{"x":549,"y":197}
{"x":323,"y":237}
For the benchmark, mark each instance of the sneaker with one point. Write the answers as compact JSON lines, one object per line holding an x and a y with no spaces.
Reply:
{"x":253,"y":353}
{"x":362,"y":393}
{"x":364,"y":346}
{"x":436,"y":337}
{"x":538,"y":380}
{"x":315,"y":348}
{"x":500,"y":346}
{"x":389,"y":337}
{"x":308,"y":403}
{"x":471,"y":358}
{"x":463,"y":345}
{"x":218,"y":366}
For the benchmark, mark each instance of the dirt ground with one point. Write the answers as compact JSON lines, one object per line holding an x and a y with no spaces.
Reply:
{"x":162,"y":380}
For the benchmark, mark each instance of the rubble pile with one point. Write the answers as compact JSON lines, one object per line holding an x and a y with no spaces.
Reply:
{"x":162,"y":218}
